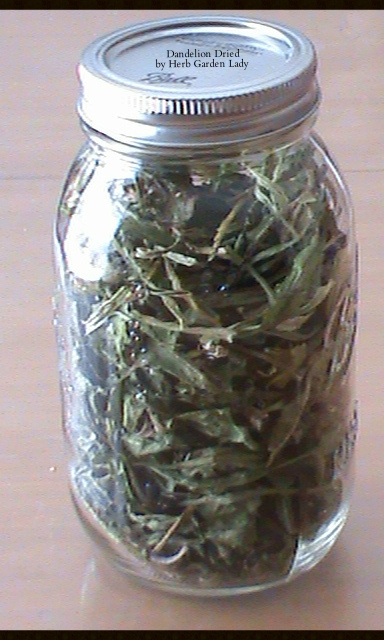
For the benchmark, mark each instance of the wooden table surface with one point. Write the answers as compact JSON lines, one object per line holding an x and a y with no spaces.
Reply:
{"x":49,"y":578}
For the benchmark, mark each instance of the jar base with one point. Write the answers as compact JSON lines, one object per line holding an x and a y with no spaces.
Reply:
{"x":308,"y":554}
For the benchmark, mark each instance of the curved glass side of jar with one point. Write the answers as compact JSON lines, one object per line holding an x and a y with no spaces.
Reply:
{"x":206,"y":315}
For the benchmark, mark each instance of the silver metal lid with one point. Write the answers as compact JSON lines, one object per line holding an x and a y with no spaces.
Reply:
{"x":198,"y":80}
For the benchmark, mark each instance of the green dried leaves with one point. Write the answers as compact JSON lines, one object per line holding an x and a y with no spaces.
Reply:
{"x":216,"y":367}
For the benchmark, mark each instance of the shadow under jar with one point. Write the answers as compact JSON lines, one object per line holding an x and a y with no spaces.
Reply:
{"x":206,"y":308}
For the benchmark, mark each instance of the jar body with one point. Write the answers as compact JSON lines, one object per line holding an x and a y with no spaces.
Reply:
{"x":206,"y":317}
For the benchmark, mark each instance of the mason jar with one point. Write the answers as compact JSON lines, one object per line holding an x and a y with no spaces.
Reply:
{"x":206,"y":307}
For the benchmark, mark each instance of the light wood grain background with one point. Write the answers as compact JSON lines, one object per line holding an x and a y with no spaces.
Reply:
{"x":48,"y":576}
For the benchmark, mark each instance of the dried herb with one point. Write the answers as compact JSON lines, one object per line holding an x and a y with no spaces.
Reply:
{"x":212,"y":358}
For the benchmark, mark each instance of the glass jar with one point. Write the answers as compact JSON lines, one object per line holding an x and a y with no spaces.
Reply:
{"x":206,"y":308}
